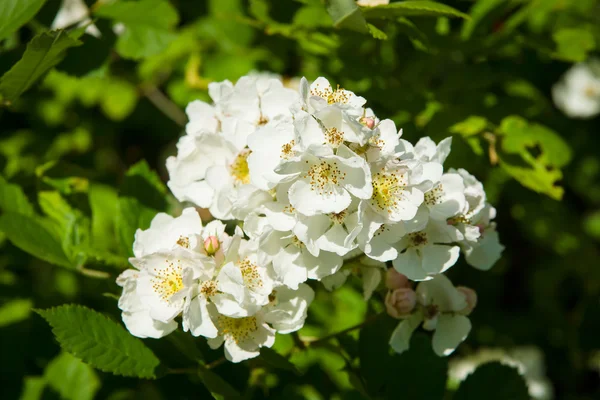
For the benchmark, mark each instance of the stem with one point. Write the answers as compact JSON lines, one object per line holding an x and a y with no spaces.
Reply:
{"x":320,"y":341}
{"x":181,"y":371}
{"x":164,"y":104}
{"x":215,"y":363}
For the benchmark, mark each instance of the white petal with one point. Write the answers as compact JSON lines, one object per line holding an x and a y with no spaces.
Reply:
{"x":438,"y":258}
{"x":486,"y":252}
{"x":310,"y":202}
{"x":319,"y":267}
{"x":400,"y":339}
{"x":140,"y":324}
{"x":197,"y":319}
{"x":409,"y":263}
{"x":450,"y":332}
{"x":230,"y":281}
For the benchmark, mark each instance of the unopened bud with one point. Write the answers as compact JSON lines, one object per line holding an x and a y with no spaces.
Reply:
{"x":400,"y":302}
{"x":395,"y":280}
{"x":368,"y":122}
{"x":470,"y":297}
{"x":211,"y":245}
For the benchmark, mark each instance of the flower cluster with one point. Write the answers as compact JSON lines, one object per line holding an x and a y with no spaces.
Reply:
{"x":316,"y":180}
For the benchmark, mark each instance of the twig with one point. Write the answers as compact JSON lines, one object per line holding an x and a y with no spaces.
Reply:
{"x":181,"y":371}
{"x":164,"y":104}
{"x":215,"y":363}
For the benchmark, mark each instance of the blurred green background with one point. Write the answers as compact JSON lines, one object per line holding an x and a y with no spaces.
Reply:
{"x":118,"y":99}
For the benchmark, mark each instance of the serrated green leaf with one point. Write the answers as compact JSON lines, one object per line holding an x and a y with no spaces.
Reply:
{"x":148,"y":26}
{"x":15,"y":13}
{"x":100,"y":342}
{"x":131,"y":215}
{"x":217,"y":385}
{"x":470,"y":126}
{"x":34,"y":236}
{"x":71,"y":378}
{"x":12,"y":199}
{"x":43,"y":52}
{"x":412,"y":8}
{"x":574,"y":44}
{"x":346,"y":14}
{"x":493,"y":381}
{"x":376,"y":32}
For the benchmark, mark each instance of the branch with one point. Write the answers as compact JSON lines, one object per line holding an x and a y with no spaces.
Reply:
{"x":164,"y":104}
{"x":319,"y":341}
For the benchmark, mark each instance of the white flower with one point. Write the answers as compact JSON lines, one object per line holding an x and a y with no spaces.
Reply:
{"x":287,"y":310}
{"x":439,"y":304}
{"x":136,"y":315}
{"x":73,"y":12}
{"x":486,"y":250}
{"x":292,"y":262}
{"x":187,"y":171}
{"x":167,"y":233}
{"x":447,"y":198}
{"x":242,"y":337}
{"x":324,"y":182}
{"x":202,"y":117}
{"x":426,"y":253}
{"x":243,"y":283}
{"x":167,"y":278}
{"x":577,"y":94}
{"x":426,"y":150}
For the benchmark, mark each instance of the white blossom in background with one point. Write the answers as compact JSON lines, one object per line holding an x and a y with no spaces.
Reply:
{"x":529,"y":360}
{"x":318,"y":188}
{"x":577,"y":94}
{"x":73,"y":12}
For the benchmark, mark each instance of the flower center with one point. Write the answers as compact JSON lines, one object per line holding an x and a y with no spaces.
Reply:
{"x":239,"y":167}
{"x":418,"y":238}
{"x":434,"y":196}
{"x":332,"y":96}
{"x":287,"y":150}
{"x":184,"y":242}
{"x":386,"y":189}
{"x":297,"y":242}
{"x":338,"y":218}
{"x":249,"y":270}
{"x":591,"y":91}
{"x":167,"y":281}
{"x":236,"y":329}
{"x":334,"y":137}
{"x":324,"y":175}
{"x":208,"y":288}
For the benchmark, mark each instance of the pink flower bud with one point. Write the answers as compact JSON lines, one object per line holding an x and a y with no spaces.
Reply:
{"x":395,"y":280}
{"x":400,"y":302}
{"x":470,"y":297}
{"x":211,"y":245}
{"x":368,"y":122}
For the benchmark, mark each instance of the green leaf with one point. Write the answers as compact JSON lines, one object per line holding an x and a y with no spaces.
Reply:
{"x":539,"y":179}
{"x":12,"y":199}
{"x":33,"y":388}
{"x":376,"y":32}
{"x":15,"y":310}
{"x":276,"y":360}
{"x":43,"y":52}
{"x":412,"y":8}
{"x":148,"y":26}
{"x":470,"y":126}
{"x":217,"y":385}
{"x":104,"y":205}
{"x":131,"y":215}
{"x":15,"y":13}
{"x":493,"y":381}
{"x":119,"y":99}
{"x":145,"y":185}
{"x":34,"y":236}
{"x":574,"y":44}
{"x":478,"y":12}
{"x":100,"y":342}
{"x":521,"y":136}
{"x":591,"y":225}
{"x":416,"y":36}
{"x":71,"y":378}
{"x":346,"y":14}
